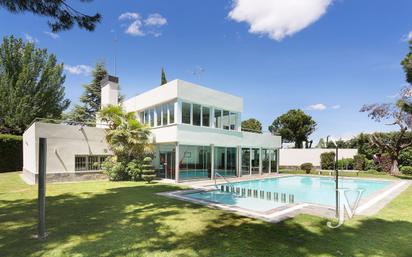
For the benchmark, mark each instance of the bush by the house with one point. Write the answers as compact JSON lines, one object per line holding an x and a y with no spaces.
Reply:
{"x":114,"y":169}
{"x":327,"y":161}
{"x":307,"y":167}
{"x":359,"y":162}
{"x":405,"y":157}
{"x":406,"y":170}
{"x":346,"y":164}
{"x":134,"y":170}
{"x":11,"y":153}
{"x":148,"y":172}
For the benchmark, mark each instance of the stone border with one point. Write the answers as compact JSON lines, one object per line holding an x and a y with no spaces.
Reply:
{"x":368,"y":206}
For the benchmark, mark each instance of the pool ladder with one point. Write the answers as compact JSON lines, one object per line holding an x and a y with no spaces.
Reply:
{"x":217,"y":174}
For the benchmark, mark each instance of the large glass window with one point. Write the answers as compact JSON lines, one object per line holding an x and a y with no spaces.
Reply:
{"x":146,"y":117}
{"x":196,"y":114}
{"x":159,"y":116}
{"x":255,"y":160}
{"x":152,"y":121}
{"x":164,"y":114}
{"x":225,"y":161}
{"x":194,"y":162}
{"x":245,"y":161}
{"x":265,"y":160}
{"x":186,"y":113}
{"x":218,"y":118}
{"x":233,"y":121}
{"x":273,"y":161}
{"x":205,"y":116}
{"x":141,"y":117}
{"x":225,"y":120}
{"x":171,"y":113}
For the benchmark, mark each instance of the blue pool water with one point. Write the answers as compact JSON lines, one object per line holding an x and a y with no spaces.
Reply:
{"x":305,"y":189}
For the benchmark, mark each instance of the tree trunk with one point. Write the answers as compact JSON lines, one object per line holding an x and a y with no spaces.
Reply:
{"x":394,"y":168}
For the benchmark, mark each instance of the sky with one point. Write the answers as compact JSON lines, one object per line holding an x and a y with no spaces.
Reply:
{"x":326,"y":57}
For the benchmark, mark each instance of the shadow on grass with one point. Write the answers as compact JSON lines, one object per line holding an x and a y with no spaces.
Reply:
{"x":134,"y":221}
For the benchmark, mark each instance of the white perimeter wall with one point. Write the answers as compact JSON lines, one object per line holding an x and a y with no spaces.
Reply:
{"x":295,"y":157}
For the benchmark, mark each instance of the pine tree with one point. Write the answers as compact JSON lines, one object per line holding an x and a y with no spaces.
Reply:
{"x":163,"y":78}
{"x":90,"y":98}
{"x":148,"y":172}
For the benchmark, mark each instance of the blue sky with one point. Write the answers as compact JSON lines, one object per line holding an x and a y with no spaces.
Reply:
{"x":278,"y":55}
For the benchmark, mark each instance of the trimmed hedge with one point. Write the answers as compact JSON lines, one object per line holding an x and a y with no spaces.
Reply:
{"x":327,"y":161}
{"x":11,"y":153}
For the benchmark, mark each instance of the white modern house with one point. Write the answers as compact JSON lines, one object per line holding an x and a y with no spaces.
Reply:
{"x":196,"y":132}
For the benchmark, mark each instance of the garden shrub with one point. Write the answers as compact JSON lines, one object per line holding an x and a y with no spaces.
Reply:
{"x":405,"y":157}
{"x":11,"y":153}
{"x":359,"y":162}
{"x":346,"y":164}
{"x":307,"y":167}
{"x":134,"y":170}
{"x":407,"y":170}
{"x":148,"y":172}
{"x":327,"y":161}
{"x":371,"y":165}
{"x":114,"y":169}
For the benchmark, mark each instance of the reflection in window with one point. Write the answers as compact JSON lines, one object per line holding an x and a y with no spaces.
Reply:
{"x":146,"y":117}
{"x":164,"y":114}
{"x":225,"y":161}
{"x":218,"y":118}
{"x":152,"y":118}
{"x":206,"y":116}
{"x":233,"y":121}
{"x":186,"y":113}
{"x":159,"y":116}
{"x":255,"y":160}
{"x":245,"y":161}
{"x":196,"y":114}
{"x":171,"y":113}
{"x":141,"y":117}
{"x":265,"y":161}
{"x":225,"y":120}
{"x":194,"y":162}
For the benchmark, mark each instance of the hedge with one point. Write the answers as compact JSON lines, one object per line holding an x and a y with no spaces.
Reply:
{"x":11,"y":153}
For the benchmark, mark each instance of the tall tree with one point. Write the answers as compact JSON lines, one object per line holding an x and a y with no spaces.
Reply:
{"x":405,"y":102}
{"x":62,"y":15}
{"x":31,"y":85}
{"x":91,"y":97}
{"x":252,"y":125}
{"x":396,"y":142}
{"x":163,"y":79}
{"x":294,"y":126}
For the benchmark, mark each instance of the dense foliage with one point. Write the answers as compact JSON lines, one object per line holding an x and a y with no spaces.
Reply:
{"x":91,"y":97}
{"x":307,"y":167}
{"x":148,"y":172}
{"x":163,"y":79}
{"x":62,"y":15}
{"x":11,"y":153}
{"x":294,"y":126}
{"x":128,"y":140}
{"x":252,"y":125}
{"x":31,"y":85}
{"x":327,"y":161}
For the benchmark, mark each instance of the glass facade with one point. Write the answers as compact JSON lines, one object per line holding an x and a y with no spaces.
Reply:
{"x":265,"y":160}
{"x":225,"y":161}
{"x":171,"y":113}
{"x":217,"y":121}
{"x":273,"y":160}
{"x":225,"y":120}
{"x":255,"y":160}
{"x":233,"y":121}
{"x":186,"y":113}
{"x":194,"y":162}
{"x":245,"y":161}
{"x":196,"y":114}
{"x":164,"y":161}
{"x":205,"y":116}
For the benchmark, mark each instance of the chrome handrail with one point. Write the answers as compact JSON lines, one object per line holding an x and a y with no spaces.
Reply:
{"x":225,"y":179}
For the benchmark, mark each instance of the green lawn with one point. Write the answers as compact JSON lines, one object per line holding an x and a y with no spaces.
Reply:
{"x":128,"y":219}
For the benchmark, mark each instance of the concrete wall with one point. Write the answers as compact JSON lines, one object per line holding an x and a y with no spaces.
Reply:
{"x":295,"y":157}
{"x":63,"y":143}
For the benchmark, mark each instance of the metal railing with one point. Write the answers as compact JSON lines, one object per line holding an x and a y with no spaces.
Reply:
{"x":223,"y":177}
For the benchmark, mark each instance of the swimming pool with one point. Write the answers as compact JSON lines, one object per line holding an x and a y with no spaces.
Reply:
{"x":305,"y":189}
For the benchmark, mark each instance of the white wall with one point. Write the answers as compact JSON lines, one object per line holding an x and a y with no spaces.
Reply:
{"x":295,"y":157}
{"x":63,"y":143}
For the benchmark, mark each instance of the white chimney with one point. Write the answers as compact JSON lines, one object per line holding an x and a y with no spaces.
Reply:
{"x":110,"y":91}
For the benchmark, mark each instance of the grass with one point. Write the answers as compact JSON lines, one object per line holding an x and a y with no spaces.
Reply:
{"x":129,"y":219}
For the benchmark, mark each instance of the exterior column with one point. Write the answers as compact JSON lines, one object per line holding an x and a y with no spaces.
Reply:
{"x":177,"y":163}
{"x":277,"y":160}
{"x":260,"y":161}
{"x":270,"y":160}
{"x":212,"y":161}
{"x":239,"y":161}
{"x":250,"y":161}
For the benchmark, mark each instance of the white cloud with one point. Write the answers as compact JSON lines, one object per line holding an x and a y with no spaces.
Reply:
{"x":52,"y":35}
{"x":140,"y":27}
{"x":80,"y":69}
{"x":316,"y":107}
{"x":155,"y":19}
{"x":129,"y":16}
{"x":278,"y":18}
{"x":30,"y":38}
{"x":134,"y":28}
{"x":407,"y":37}
{"x":335,"y":107}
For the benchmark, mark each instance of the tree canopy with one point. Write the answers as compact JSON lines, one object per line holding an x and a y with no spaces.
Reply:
{"x":31,"y":85}
{"x":294,"y":126}
{"x":252,"y":125}
{"x":62,"y":16}
{"x":163,"y":79}
{"x":91,"y":97}
{"x":405,"y":102}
